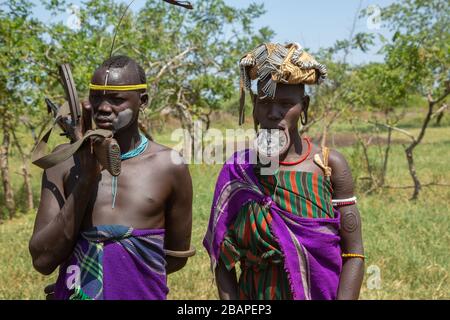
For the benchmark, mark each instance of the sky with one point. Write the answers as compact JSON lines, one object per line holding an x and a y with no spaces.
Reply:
{"x":313,"y":24}
{"x":319,"y":23}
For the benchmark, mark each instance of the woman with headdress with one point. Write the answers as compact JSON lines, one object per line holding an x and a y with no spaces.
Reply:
{"x":295,"y":231}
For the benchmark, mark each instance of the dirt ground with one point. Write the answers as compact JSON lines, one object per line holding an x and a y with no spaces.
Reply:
{"x":348,"y":139}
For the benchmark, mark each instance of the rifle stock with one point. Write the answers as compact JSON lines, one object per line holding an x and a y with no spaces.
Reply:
{"x":107,"y":152}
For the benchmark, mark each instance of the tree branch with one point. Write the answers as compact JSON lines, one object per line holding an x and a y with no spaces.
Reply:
{"x":440,"y":110}
{"x":170,"y":62}
{"x":394,"y":128}
{"x":444,"y":95}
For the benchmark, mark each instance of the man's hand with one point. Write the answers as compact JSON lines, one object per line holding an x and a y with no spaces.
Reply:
{"x":89,"y":164}
{"x":90,"y":167}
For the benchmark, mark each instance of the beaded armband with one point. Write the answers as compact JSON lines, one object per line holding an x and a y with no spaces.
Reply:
{"x":353,"y":255}
{"x":343,"y":202}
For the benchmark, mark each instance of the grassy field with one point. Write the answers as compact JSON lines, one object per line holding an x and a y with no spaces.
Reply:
{"x":407,"y":241}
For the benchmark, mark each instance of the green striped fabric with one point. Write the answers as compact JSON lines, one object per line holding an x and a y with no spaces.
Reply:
{"x":306,"y":194}
{"x":250,"y":241}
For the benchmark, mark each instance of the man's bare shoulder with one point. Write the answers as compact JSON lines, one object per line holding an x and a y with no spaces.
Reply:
{"x":168,"y":159}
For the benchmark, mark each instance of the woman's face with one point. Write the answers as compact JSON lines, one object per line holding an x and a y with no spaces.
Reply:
{"x":284,"y":110}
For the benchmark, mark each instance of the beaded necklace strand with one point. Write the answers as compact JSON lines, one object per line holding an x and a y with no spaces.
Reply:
{"x":130,"y":154}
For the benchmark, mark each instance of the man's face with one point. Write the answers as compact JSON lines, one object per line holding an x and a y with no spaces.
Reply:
{"x":283,"y":111}
{"x":106,"y":105}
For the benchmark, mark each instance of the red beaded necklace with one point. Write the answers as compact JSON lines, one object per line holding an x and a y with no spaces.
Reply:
{"x":302,"y":158}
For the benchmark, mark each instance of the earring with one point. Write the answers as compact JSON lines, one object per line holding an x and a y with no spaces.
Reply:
{"x":304,"y":120}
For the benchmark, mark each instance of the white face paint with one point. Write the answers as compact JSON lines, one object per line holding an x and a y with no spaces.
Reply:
{"x":123,"y":119}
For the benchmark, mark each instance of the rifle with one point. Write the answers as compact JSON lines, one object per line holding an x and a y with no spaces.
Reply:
{"x":73,"y":102}
{"x":63,"y":122}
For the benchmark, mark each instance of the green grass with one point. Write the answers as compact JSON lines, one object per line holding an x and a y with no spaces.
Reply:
{"x":408,"y":241}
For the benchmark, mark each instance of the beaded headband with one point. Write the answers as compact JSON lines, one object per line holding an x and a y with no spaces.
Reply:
{"x":127,"y":87}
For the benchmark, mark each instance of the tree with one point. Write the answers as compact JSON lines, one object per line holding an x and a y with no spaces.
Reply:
{"x":189,"y":56}
{"x":418,"y":53}
{"x":20,"y":82}
{"x":327,"y":99}
{"x":376,"y":89}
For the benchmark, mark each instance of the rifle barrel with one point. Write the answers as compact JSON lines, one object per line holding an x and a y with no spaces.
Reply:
{"x":71,"y":93}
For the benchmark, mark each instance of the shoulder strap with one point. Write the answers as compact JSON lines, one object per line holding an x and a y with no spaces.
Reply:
{"x":44,"y":161}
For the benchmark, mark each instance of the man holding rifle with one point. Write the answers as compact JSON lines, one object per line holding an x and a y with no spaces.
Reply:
{"x":114,"y":236}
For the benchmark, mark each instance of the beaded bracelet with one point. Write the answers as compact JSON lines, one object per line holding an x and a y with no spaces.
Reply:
{"x":343,"y":202}
{"x":353,"y":255}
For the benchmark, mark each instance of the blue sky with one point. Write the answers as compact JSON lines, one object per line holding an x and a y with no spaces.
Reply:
{"x":314,"y":24}
{"x":318,"y":23}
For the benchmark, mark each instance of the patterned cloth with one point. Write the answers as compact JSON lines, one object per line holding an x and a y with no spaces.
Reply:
{"x":113,"y":262}
{"x":291,"y":247}
{"x":250,"y":240}
{"x":304,"y":194}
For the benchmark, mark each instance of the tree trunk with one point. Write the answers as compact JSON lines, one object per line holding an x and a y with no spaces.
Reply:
{"x":412,"y":172}
{"x":25,"y":173}
{"x":366,"y":158}
{"x":386,"y":157}
{"x":187,"y":123}
{"x":439,"y":119}
{"x":409,"y":150}
{"x":8,"y":195}
{"x":28,"y":188}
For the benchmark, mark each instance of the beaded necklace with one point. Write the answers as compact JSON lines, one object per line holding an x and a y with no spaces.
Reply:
{"x":302,"y":158}
{"x":124,"y":156}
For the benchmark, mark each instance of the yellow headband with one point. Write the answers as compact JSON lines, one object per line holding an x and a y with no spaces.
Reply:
{"x":118,"y":88}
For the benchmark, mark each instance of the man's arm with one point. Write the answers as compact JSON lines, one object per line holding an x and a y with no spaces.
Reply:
{"x":178,"y":217}
{"x":351,"y":238}
{"x":59,"y":219}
